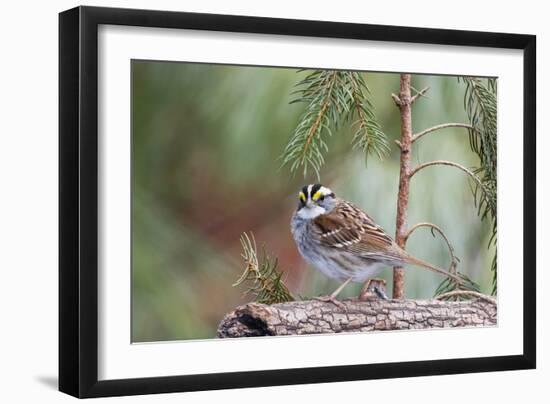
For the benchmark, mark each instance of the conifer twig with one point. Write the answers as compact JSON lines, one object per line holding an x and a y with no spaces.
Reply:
{"x":421,"y":93}
{"x":471,"y":293}
{"x":441,"y":126}
{"x":454,"y":258}
{"x":266,"y":282}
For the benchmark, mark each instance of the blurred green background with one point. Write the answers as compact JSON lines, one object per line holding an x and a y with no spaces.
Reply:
{"x":206,"y":143}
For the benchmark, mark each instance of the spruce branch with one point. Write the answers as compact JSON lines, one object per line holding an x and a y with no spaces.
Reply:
{"x":480,"y":103}
{"x":266,"y":281}
{"x":332,"y":97}
{"x":369,"y":136}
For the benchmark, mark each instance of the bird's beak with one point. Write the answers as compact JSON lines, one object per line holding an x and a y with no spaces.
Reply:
{"x":309,"y":204}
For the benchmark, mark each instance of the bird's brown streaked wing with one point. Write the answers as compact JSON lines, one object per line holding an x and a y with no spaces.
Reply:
{"x":335,"y":232}
{"x":350,"y":229}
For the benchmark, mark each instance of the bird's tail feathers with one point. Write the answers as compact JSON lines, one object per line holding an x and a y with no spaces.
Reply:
{"x":419,"y":262}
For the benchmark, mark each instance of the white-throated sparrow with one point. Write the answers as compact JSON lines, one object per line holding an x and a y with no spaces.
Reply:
{"x":343,"y":242}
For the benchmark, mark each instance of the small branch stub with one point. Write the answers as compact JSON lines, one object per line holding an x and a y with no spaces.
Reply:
{"x":396,"y":99}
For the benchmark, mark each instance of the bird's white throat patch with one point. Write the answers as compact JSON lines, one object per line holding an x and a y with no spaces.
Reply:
{"x":311,"y":212}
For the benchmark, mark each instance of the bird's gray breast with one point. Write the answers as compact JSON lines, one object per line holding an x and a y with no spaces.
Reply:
{"x":334,"y":263}
{"x":299,"y":228}
{"x":301,"y":231}
{"x":311,"y":249}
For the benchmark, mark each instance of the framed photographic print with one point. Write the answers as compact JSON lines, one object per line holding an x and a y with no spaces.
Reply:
{"x":237,"y":190}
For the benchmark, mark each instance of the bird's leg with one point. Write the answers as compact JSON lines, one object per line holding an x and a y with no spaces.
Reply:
{"x":332,"y":297}
{"x":340,"y":288}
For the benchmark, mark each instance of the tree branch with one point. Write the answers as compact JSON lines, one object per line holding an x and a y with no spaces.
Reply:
{"x":470,"y":293}
{"x":452,"y":267}
{"x":441,"y":126}
{"x":316,"y":317}
{"x":420,"y":93}
{"x":446,"y":163}
{"x":313,"y":129}
{"x":404,"y":105}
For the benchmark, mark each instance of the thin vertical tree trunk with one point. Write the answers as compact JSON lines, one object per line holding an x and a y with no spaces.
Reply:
{"x":404,"y":104}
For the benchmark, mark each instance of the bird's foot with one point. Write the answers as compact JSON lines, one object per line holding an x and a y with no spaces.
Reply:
{"x":374,"y":288}
{"x":332,"y":299}
{"x":381,"y":292}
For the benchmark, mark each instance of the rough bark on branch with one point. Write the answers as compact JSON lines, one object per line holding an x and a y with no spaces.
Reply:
{"x":405,"y":108}
{"x":316,"y":317}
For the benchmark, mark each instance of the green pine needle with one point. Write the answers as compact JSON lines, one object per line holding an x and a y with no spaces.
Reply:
{"x":450,"y":285}
{"x":332,"y":98}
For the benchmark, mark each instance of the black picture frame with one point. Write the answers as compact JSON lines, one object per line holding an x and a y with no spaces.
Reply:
{"x":78,"y":201}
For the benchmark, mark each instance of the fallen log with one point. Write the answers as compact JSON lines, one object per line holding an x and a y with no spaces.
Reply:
{"x":373,"y":314}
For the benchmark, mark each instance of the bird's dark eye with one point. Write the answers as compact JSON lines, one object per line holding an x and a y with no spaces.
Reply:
{"x":322,"y":197}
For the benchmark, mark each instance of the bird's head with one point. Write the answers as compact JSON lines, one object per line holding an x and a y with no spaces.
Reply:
{"x":315,"y":200}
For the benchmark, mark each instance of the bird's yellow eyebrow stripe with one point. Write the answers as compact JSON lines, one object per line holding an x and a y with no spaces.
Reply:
{"x":316,"y":196}
{"x":302,"y":196}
